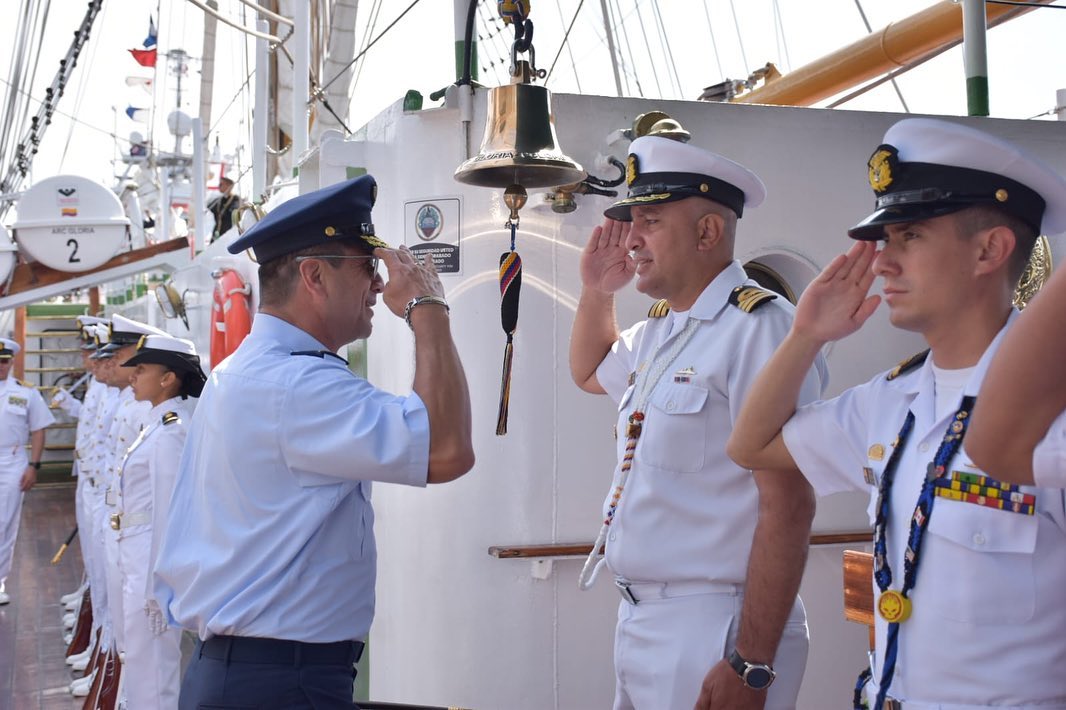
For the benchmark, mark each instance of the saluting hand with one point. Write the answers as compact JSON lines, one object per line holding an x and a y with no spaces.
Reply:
{"x":836,"y":303}
{"x":408,"y":278}
{"x":605,"y":263}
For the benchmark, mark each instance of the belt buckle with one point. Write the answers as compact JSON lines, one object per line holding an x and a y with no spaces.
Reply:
{"x":626,"y":592}
{"x":116,"y":521}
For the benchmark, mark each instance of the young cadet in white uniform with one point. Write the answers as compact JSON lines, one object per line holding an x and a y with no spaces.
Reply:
{"x":86,"y":413}
{"x":23,"y":417}
{"x":269,"y":549}
{"x":969,"y":571}
{"x":165,"y":372}
{"x":125,"y":425}
{"x":708,"y":558}
{"x":1019,"y":429}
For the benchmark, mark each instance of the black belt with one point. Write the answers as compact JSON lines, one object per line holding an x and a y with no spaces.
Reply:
{"x":246,"y":649}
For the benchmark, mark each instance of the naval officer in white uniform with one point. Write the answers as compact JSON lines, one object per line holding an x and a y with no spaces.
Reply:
{"x":708,"y":557}
{"x":269,"y":549}
{"x":969,"y":570}
{"x":23,"y":417}
{"x":165,"y":372}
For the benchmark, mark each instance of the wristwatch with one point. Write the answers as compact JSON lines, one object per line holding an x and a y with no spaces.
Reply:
{"x":36,"y":465}
{"x":757,"y":676}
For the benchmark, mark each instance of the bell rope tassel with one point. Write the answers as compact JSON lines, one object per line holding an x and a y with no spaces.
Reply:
{"x":510,"y":288}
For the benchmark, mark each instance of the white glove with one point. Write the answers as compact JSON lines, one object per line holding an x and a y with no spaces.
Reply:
{"x":157,"y":623}
{"x":68,"y":404}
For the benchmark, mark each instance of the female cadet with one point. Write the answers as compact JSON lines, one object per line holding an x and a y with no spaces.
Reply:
{"x":166,"y":371}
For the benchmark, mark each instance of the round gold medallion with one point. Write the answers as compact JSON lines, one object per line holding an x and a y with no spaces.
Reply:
{"x":893,"y":606}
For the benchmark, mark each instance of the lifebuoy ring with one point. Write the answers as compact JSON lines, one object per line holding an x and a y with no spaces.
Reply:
{"x":231,"y":316}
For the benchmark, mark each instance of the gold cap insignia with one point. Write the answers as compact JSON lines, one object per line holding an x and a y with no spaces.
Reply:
{"x":330,"y":231}
{"x":704,"y":187}
{"x":882,"y":165}
{"x":632,"y":169}
{"x":140,"y":343}
{"x":1001,"y":195}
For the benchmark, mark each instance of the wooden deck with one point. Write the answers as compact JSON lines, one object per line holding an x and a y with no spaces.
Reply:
{"x":33,"y":675}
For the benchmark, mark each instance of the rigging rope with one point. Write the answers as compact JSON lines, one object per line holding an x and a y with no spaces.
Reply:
{"x":666,"y":46}
{"x":740,"y":40}
{"x":870,"y":30}
{"x":714,"y":42}
{"x":371,"y":44}
{"x":781,"y":37}
{"x":647,"y":45}
{"x":565,"y":43}
{"x":621,"y":23}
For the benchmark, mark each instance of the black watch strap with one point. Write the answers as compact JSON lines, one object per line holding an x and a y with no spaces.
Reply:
{"x":36,"y":465}
{"x":757,"y":676}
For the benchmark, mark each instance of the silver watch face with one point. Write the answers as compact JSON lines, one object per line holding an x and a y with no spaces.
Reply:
{"x":758,"y":677}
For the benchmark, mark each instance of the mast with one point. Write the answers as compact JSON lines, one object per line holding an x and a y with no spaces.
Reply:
{"x":974,"y":54}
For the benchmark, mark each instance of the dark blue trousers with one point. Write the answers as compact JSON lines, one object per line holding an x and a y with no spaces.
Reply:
{"x":239,"y":673}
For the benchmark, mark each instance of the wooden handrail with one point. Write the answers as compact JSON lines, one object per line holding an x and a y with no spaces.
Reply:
{"x":581,"y":549}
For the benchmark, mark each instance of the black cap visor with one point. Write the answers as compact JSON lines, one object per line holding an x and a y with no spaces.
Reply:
{"x":872,"y":228}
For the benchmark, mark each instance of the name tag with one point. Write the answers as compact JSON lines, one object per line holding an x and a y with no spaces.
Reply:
{"x":17,"y":401}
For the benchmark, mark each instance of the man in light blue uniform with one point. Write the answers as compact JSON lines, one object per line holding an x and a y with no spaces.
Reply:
{"x":269,"y":550}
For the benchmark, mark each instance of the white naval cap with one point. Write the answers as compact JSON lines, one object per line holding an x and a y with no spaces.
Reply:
{"x":662,"y":170}
{"x":8,"y":348}
{"x":126,"y":331}
{"x":928,"y":167}
{"x":101,"y":336}
{"x":177,"y":354}
{"x":88,"y":330}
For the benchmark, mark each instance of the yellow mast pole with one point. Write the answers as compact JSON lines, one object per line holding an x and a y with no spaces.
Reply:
{"x":899,"y":44}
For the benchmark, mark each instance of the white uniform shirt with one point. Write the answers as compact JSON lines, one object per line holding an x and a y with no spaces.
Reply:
{"x":1049,"y":456}
{"x":87,"y":419}
{"x":147,"y":471}
{"x":988,"y":623}
{"x":270,"y":530}
{"x":22,"y":411}
{"x":688,"y":512}
{"x":97,"y":439}
{"x":126,"y":425}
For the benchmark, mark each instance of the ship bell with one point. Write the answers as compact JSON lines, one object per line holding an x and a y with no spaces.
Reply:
{"x":519,"y":145}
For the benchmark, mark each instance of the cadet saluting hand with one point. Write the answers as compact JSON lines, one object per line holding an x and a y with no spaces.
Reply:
{"x":606,"y":264}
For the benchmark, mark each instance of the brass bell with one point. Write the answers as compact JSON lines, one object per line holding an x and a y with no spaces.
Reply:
{"x":519,"y":145}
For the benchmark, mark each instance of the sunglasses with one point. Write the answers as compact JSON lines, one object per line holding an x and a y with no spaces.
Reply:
{"x":371,"y":266}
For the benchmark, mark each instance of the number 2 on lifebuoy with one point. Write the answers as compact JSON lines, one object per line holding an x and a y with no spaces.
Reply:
{"x":73,"y":244}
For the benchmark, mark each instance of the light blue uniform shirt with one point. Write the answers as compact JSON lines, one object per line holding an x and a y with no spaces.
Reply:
{"x":271,"y":531}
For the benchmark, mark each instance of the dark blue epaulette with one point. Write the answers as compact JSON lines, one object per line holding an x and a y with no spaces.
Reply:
{"x":170,"y":418}
{"x":659,"y":309}
{"x":748,"y":298}
{"x":907,"y":365}
{"x":321,"y":354}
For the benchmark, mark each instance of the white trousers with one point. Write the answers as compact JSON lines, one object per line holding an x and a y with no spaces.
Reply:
{"x":114,"y":579}
{"x":10,"y":511}
{"x":87,"y":509}
{"x":153,"y":663}
{"x":663,"y":649}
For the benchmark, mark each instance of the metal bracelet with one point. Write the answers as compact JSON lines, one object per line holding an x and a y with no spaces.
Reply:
{"x":420,"y":300}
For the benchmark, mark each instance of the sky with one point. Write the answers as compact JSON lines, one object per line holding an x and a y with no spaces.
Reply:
{"x":670,"y":49}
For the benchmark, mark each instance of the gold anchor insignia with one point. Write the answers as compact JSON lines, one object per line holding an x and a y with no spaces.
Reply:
{"x":880,"y":168}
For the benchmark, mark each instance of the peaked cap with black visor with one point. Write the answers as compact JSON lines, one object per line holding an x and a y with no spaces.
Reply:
{"x":335,"y":213}
{"x":177,"y":354}
{"x":661,"y":170}
{"x":927,"y":167}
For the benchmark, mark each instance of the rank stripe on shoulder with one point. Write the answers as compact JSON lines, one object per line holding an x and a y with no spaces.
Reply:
{"x":659,"y":309}
{"x":748,"y":298}
{"x":907,"y":365}
{"x":321,"y":354}
{"x":170,"y":418}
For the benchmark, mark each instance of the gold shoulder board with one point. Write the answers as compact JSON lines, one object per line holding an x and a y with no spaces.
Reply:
{"x":659,"y":309}
{"x":907,"y":365}
{"x":748,"y":298}
{"x":170,"y":418}
{"x":24,"y":383}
